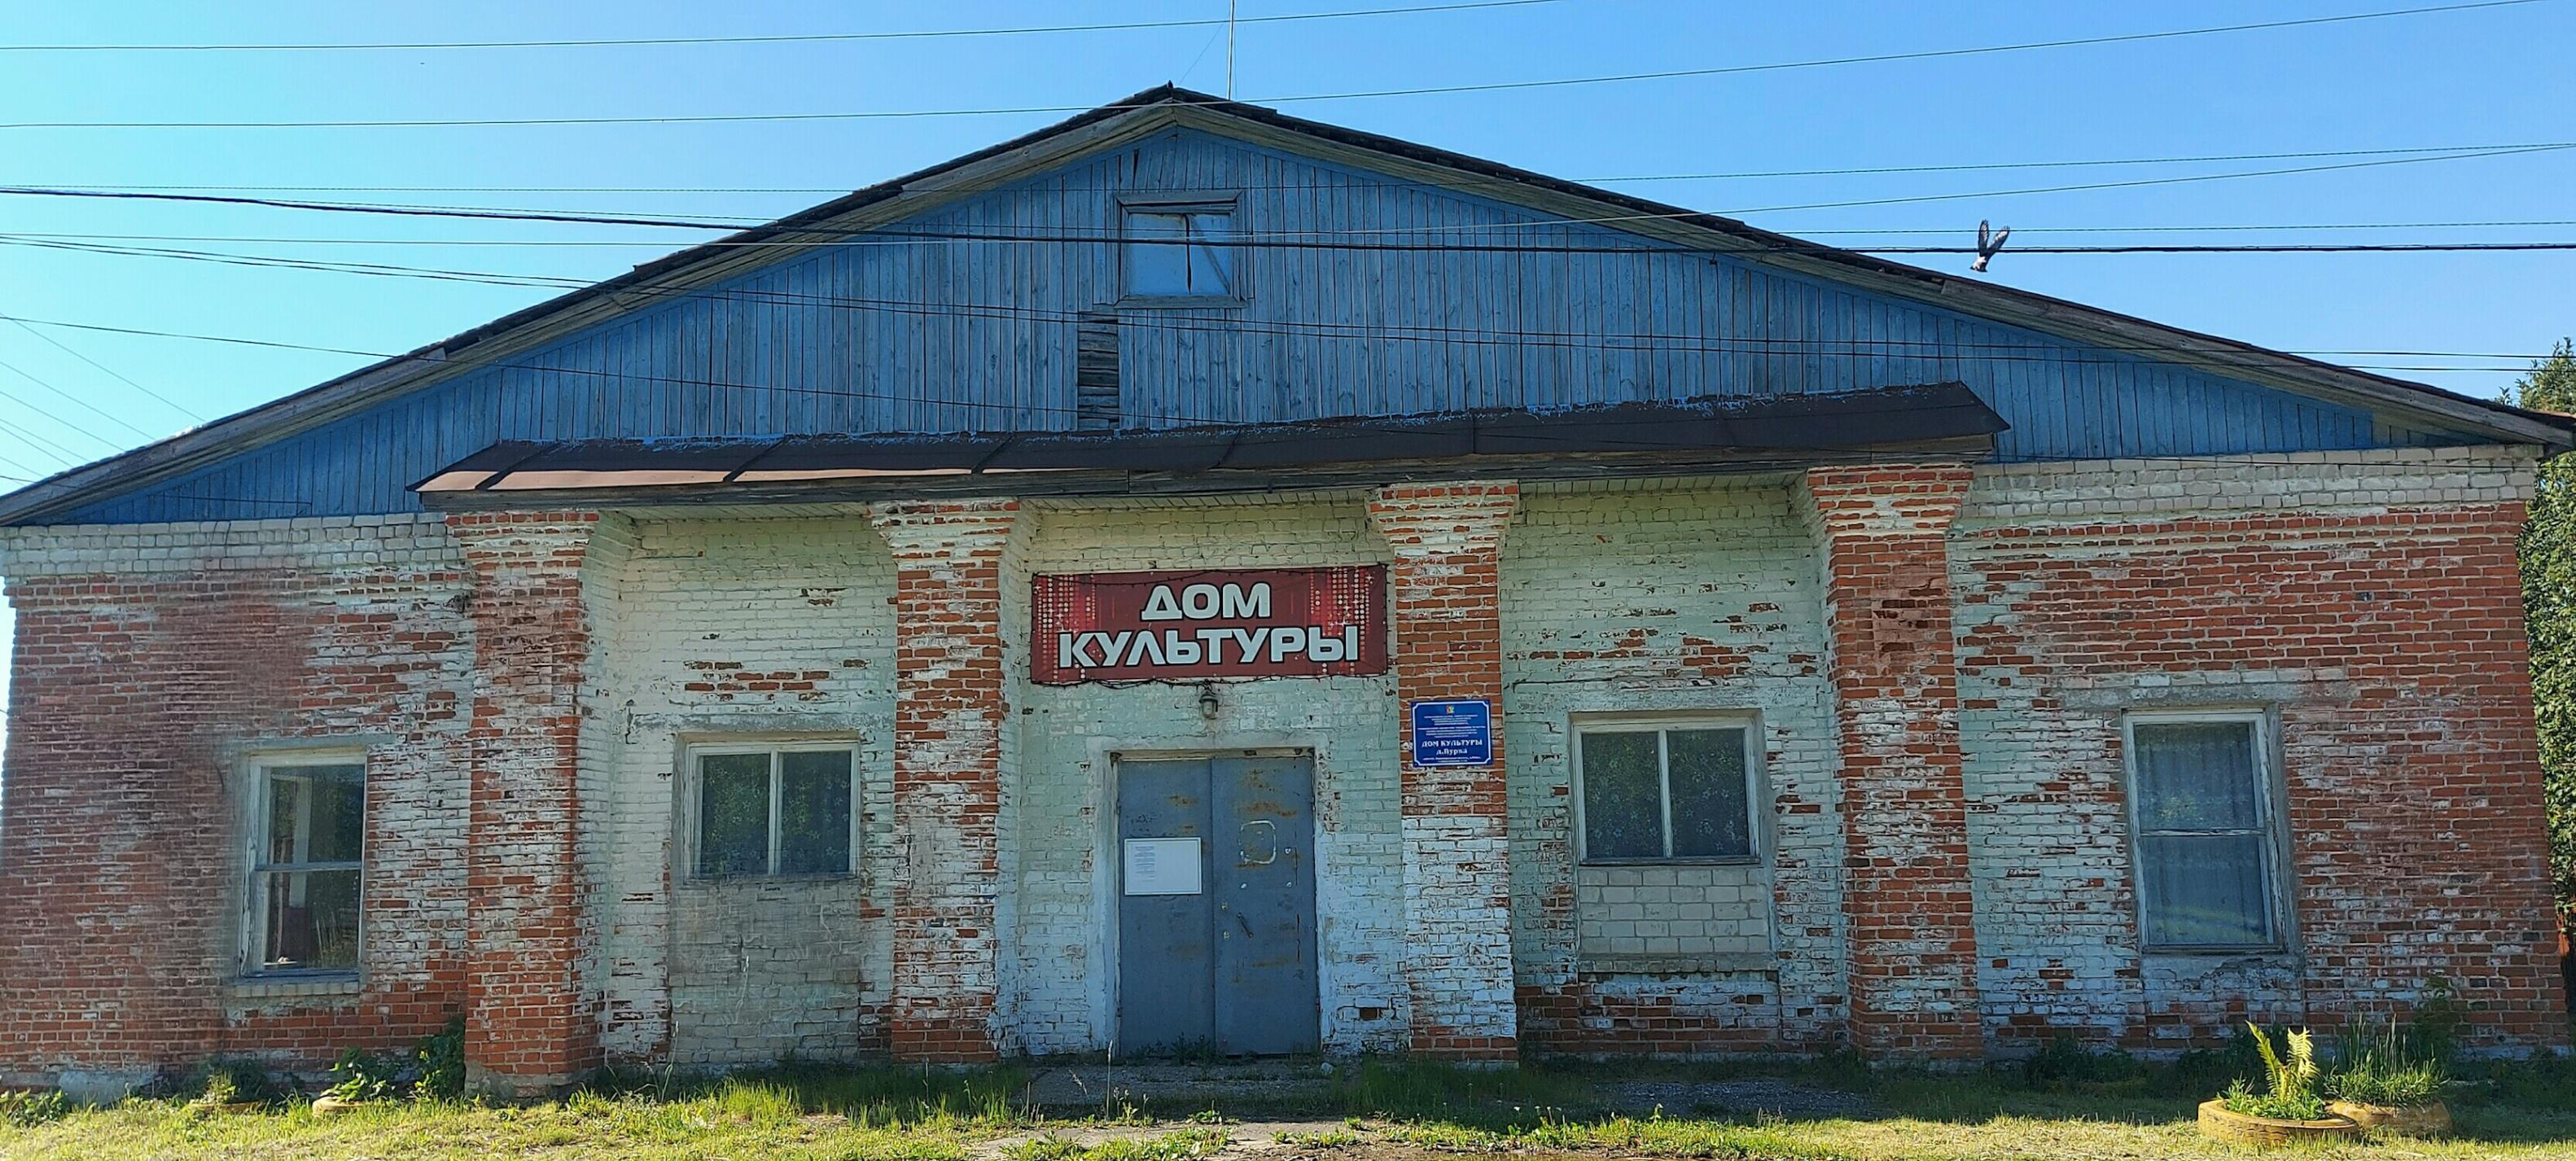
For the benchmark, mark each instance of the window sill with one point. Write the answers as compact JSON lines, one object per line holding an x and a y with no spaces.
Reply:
{"x":295,"y":984}
{"x":1725,"y":963}
{"x":2256,"y":952}
{"x":1183,"y":302}
{"x":1714,"y":861}
{"x":717,"y":882}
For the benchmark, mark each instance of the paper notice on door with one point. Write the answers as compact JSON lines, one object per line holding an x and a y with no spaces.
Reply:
{"x":1162,"y":866}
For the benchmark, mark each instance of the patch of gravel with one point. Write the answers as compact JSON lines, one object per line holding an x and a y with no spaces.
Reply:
{"x":1681,"y":1098}
{"x":1242,"y":1137}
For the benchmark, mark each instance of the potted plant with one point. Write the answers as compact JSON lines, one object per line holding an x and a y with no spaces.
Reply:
{"x":2288,"y":1109}
{"x":2383,"y":1079}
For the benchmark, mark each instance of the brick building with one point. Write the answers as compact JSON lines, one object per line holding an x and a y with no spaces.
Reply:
{"x":1192,"y":576}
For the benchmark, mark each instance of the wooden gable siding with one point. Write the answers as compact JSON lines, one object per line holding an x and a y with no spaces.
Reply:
{"x":951,"y":336}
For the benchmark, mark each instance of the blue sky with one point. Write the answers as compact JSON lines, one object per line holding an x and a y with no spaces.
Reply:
{"x":2489,"y":76}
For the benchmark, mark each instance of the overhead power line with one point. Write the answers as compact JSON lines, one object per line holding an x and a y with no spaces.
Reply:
{"x":659,"y":244}
{"x":234,"y":195}
{"x":1598,"y":342}
{"x":779,"y":38}
{"x":1593,"y":342}
{"x":111,"y":372}
{"x":92,"y":408}
{"x":1297,"y":98}
{"x":1297,"y":236}
{"x":2542,"y":245}
{"x":676,"y":381}
{"x":1461,"y":180}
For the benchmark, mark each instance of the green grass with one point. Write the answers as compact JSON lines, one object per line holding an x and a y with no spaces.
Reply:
{"x":1185,"y":1145}
{"x":1421,"y":1089}
{"x":1376,"y":1110}
{"x":869,"y":1097}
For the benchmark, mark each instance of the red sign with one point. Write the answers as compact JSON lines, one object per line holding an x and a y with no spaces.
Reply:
{"x":1184,"y":626}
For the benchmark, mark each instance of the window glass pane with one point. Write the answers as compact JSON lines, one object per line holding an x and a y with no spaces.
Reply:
{"x":312,"y":920}
{"x":1155,"y":269}
{"x":1211,"y":267}
{"x":1711,"y":819}
{"x":814,"y":812}
{"x":2196,"y":775}
{"x":339,"y":814}
{"x":733,"y":814}
{"x":2204,"y":890}
{"x":289,"y":802}
{"x":1622,"y":797}
{"x":316,"y":814}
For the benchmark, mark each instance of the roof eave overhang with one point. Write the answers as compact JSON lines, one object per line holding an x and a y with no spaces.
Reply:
{"x":1113,"y":484}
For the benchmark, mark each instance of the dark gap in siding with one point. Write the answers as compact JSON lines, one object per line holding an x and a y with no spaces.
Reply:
{"x":1095,"y":371}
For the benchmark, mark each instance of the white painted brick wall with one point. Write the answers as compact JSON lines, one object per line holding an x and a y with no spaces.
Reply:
{"x":2085,"y":491}
{"x":1672,"y":911}
{"x":708,"y":615}
{"x":1058,"y":984}
{"x":1674,"y":597}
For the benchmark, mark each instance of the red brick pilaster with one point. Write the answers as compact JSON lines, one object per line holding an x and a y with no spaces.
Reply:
{"x":1447,"y":541}
{"x":949,"y":710}
{"x":532,"y":1008}
{"x":1882,"y":535}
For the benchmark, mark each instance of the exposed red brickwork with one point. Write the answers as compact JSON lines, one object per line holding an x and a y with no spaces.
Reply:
{"x":123,"y":867}
{"x":1447,"y":619}
{"x":533,"y":1020}
{"x":1588,"y":1018}
{"x":727,"y":680}
{"x":1907,"y":899}
{"x":949,"y":714}
{"x":2391,"y":645}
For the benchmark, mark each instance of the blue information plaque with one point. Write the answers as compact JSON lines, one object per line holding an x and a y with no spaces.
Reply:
{"x":1453,"y":733}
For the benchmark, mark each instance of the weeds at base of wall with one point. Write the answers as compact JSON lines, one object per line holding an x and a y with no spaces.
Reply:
{"x":878,"y":1097}
{"x":26,"y":1110}
{"x":1901,"y":1115}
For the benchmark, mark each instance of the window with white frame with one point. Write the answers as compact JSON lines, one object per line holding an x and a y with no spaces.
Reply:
{"x":1181,"y":251}
{"x":308,"y":863}
{"x":2201,"y":806}
{"x":1665,"y":790}
{"x":784,"y":809}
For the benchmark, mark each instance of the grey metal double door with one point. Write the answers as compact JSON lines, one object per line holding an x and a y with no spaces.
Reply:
{"x":1229,"y":967}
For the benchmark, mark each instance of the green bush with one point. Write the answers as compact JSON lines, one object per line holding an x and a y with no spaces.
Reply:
{"x":441,"y":1059}
{"x":230,"y":1080}
{"x":2202,"y":1071}
{"x":27,"y":1110}
{"x":365,"y":1076}
{"x":2064,"y":1065}
{"x":2541,"y":1082}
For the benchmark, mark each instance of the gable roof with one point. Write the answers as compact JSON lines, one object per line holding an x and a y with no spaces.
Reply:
{"x":1167,"y":107}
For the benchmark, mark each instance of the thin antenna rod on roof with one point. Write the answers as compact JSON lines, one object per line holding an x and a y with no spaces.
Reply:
{"x":1230,"y":7}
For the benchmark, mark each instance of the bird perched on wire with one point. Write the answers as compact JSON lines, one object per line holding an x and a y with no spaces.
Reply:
{"x":1989,"y":244}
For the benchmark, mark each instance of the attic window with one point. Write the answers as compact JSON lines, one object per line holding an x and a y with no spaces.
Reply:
{"x":1178,"y":251}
